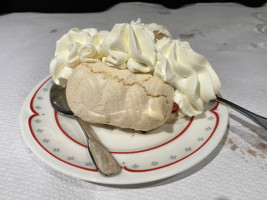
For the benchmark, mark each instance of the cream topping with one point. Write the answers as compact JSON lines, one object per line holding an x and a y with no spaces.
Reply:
{"x":73,"y":48}
{"x":130,"y":46}
{"x":190,"y":73}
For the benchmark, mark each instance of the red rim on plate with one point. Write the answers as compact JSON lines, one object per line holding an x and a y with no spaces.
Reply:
{"x":35,"y":113}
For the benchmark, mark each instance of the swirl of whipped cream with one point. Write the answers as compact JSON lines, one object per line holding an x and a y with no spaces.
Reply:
{"x":130,"y":46}
{"x":190,"y":73}
{"x":73,"y":48}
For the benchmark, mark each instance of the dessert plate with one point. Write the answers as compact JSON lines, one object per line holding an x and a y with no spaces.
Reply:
{"x":171,"y":149}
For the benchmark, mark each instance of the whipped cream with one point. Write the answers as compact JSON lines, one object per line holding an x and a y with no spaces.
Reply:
{"x":190,"y":73}
{"x":142,"y":48}
{"x":73,"y":48}
{"x":130,"y":46}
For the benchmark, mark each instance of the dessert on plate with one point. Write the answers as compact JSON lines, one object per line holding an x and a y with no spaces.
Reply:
{"x":136,"y":76}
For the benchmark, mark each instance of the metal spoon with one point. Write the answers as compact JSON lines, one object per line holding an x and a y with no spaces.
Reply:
{"x":261,"y":121}
{"x":102,"y":158}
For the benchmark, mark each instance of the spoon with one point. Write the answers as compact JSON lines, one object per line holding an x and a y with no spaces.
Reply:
{"x":261,"y":121}
{"x":102,"y":158}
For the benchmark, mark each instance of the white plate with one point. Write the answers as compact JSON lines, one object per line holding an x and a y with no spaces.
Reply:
{"x":59,"y":142}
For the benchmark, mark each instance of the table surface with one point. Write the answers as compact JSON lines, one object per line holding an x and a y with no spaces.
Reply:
{"x":231,"y":36}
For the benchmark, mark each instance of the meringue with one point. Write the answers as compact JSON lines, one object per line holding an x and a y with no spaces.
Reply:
{"x":104,"y":95}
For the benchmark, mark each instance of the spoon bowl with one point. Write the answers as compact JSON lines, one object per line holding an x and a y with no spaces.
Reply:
{"x":59,"y":101}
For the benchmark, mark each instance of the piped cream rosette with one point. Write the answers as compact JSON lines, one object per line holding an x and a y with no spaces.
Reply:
{"x":73,"y":48}
{"x":142,"y":49}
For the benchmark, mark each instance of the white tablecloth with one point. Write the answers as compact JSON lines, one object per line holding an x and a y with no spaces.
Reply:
{"x":231,"y":36}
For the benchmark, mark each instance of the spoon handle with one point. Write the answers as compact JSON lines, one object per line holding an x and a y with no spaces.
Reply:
{"x":261,"y":121}
{"x":102,"y":158}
